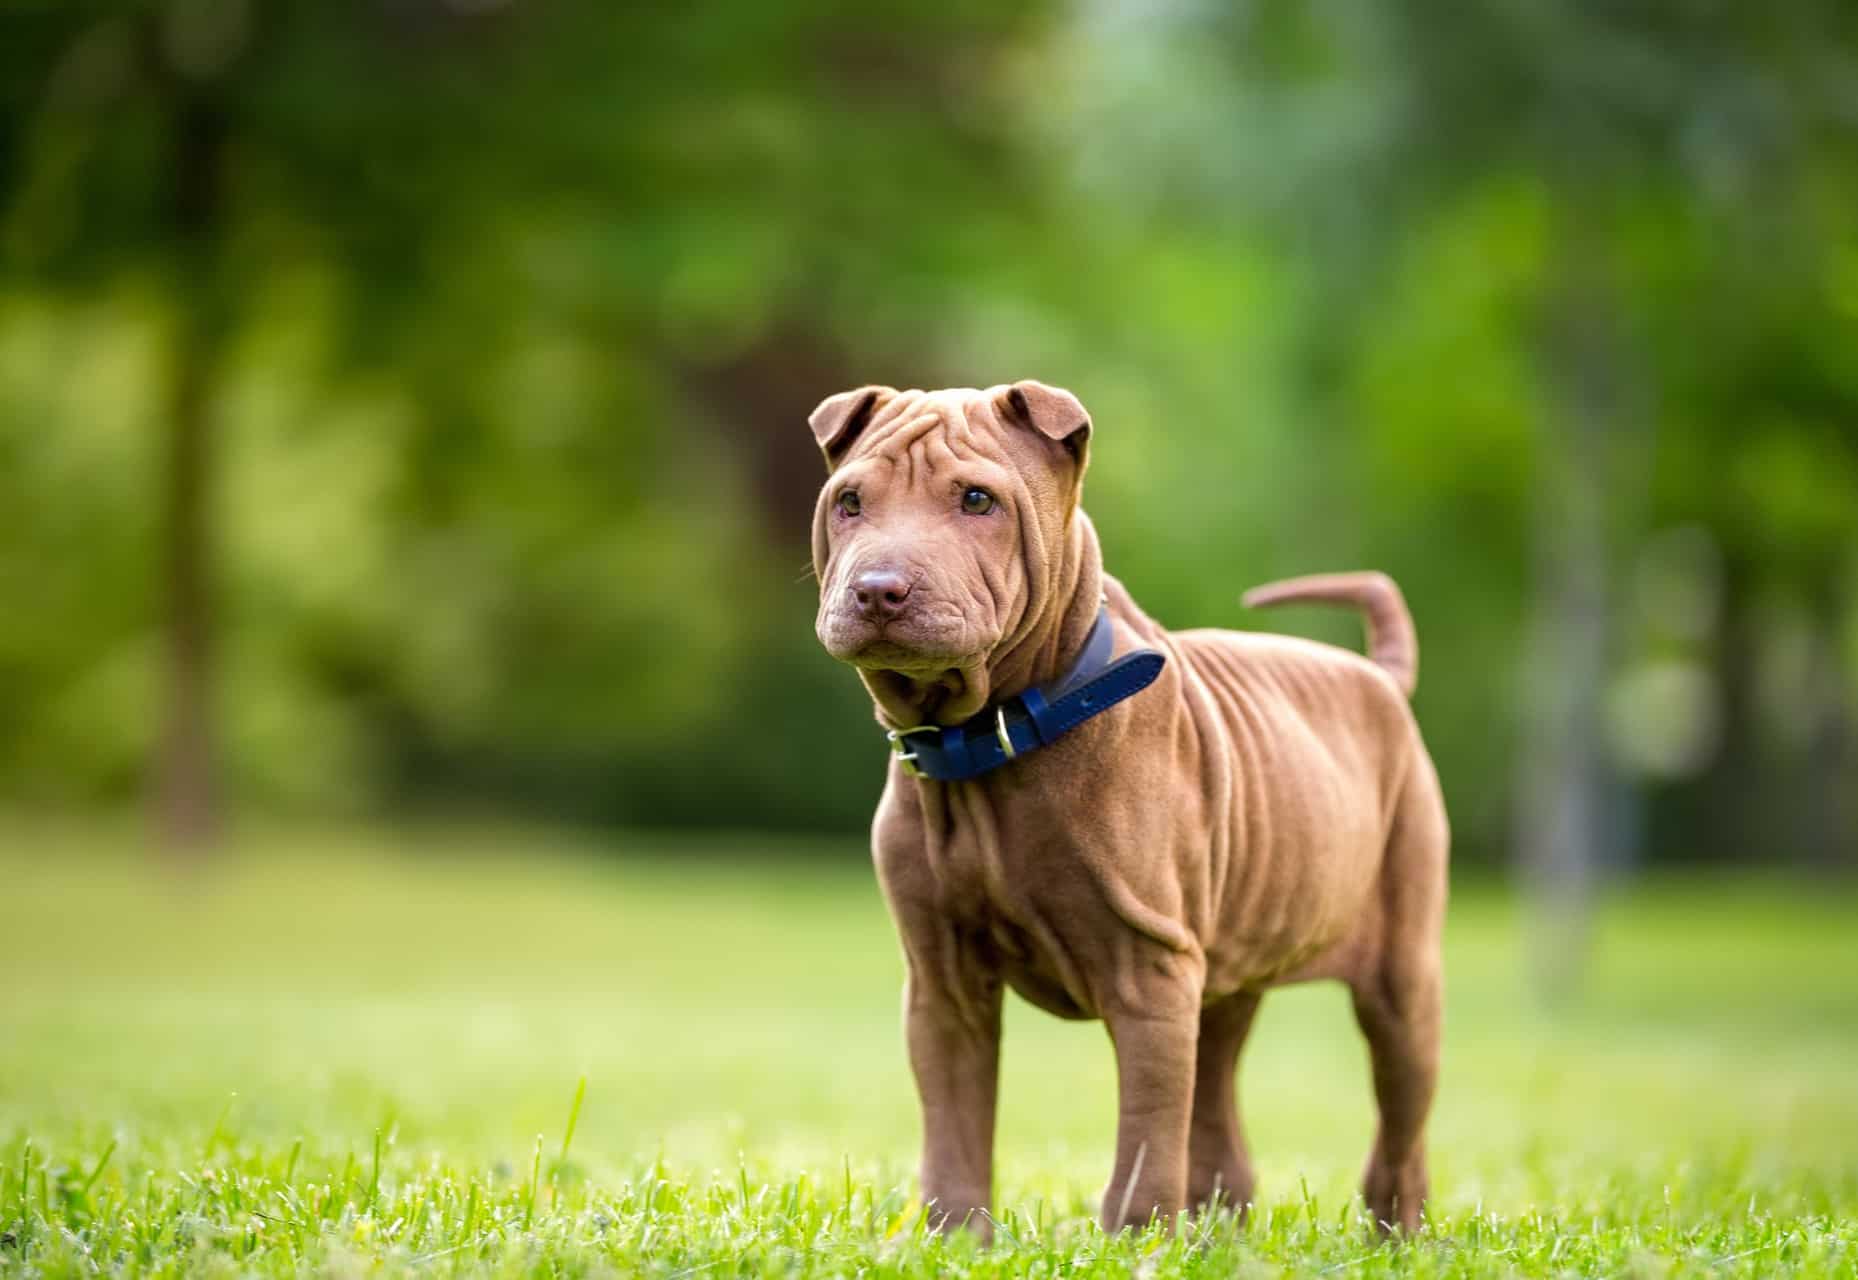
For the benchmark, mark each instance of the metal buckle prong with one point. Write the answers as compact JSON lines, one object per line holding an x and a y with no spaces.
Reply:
{"x":908,"y":758}
{"x":1006,"y":740}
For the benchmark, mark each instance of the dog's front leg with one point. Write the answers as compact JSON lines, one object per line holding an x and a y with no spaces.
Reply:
{"x":952,"y":1012}
{"x":1156,"y":1033}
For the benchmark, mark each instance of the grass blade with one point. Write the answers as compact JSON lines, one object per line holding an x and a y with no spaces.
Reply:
{"x":574,"y":1116}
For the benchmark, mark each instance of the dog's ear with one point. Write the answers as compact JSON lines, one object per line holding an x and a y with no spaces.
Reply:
{"x":1053,"y":412}
{"x":839,"y":419}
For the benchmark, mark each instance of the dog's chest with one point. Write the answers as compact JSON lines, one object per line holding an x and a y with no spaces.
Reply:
{"x":1027,"y":965}
{"x":1020,"y":892}
{"x":1018,"y":920}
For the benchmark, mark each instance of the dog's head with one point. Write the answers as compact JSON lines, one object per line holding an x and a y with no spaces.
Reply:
{"x":938,"y":538}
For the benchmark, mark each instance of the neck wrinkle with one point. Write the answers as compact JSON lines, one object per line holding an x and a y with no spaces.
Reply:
{"x":1058,"y":632}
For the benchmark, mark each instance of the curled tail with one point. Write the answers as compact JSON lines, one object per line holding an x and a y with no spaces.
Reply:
{"x":1392,"y":642}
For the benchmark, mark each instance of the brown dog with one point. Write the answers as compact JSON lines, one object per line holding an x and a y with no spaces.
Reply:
{"x":1251,"y":810}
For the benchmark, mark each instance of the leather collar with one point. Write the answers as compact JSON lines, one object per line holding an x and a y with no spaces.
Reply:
{"x":1016,"y":726}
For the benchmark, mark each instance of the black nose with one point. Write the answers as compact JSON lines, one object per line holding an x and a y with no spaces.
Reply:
{"x":880,"y":593}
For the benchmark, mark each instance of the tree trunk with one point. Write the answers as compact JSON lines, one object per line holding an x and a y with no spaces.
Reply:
{"x":1734,"y":788}
{"x":1561,"y":823}
{"x":1829,"y":776}
{"x":187,"y":796}
{"x":1568,"y":816}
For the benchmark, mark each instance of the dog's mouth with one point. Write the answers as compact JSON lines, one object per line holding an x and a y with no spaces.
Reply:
{"x":902,"y":645}
{"x":921,"y":669}
{"x":904,"y":659}
{"x":926,"y":694}
{"x":914,"y":683}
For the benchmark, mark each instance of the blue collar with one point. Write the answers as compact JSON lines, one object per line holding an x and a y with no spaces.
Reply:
{"x":1036,"y":718}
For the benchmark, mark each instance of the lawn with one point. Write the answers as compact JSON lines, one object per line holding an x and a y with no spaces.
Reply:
{"x":361,"y":1050}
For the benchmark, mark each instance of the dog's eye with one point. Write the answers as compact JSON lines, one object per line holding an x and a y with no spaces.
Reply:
{"x":849,"y":503}
{"x":977,"y":502}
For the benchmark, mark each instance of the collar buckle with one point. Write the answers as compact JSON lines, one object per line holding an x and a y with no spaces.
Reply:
{"x":905,"y":757}
{"x":1005,"y":738}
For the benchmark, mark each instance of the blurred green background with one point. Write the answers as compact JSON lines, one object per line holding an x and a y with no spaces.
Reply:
{"x":401,"y":401}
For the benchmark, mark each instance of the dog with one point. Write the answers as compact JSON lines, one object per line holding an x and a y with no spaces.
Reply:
{"x":1118,"y":821}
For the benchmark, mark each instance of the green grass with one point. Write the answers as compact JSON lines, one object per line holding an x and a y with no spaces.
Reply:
{"x":362,"y":1051}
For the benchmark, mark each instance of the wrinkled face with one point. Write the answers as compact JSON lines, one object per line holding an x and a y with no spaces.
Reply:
{"x":931,"y":537}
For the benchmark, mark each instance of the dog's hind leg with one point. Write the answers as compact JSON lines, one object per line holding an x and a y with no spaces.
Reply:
{"x":1218,"y":1165}
{"x":1398,"y":996}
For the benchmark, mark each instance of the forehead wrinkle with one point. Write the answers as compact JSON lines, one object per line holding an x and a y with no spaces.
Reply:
{"x":889,"y":443}
{"x":908,"y":431}
{"x":897,"y":413}
{"x":961,"y":428}
{"x":919,"y":431}
{"x":949,"y":450}
{"x":944,"y":450}
{"x":895,"y":409}
{"x":912,"y":436}
{"x":964,"y":441}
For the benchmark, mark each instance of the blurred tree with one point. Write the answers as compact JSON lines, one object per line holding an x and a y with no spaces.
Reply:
{"x":479,"y":337}
{"x":557,"y":288}
{"x":120,"y":134}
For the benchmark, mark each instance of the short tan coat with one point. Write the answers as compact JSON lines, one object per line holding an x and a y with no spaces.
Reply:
{"x":1265,"y":813}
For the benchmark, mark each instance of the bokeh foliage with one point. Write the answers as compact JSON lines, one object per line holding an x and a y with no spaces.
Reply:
{"x":504,"y":319}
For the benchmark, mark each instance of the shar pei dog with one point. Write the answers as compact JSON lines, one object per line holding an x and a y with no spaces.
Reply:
{"x":1119,"y":821}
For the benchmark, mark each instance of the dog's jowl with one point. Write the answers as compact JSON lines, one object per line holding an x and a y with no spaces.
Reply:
{"x":1118,"y":821}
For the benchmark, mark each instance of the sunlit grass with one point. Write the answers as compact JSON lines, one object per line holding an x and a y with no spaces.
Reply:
{"x":337,"y":1051}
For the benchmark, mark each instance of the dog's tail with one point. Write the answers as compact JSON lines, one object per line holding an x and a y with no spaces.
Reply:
{"x":1392,"y":642}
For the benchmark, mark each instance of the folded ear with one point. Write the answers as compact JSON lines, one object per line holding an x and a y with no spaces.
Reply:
{"x":839,"y":419}
{"x":1051,"y":411}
